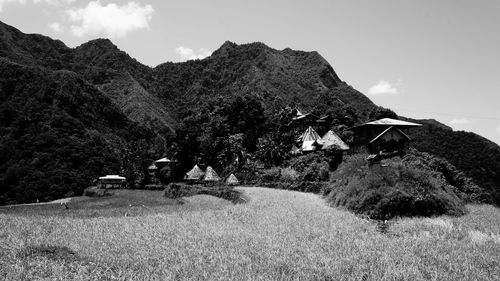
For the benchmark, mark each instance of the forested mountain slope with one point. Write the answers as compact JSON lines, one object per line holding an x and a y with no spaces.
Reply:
{"x":117,"y":113}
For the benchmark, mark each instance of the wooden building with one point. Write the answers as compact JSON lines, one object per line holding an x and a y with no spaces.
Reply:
{"x":382,"y":136}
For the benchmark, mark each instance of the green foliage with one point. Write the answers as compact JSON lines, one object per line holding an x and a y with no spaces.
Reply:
{"x":177,"y":190}
{"x":59,"y":135}
{"x":477,"y":157}
{"x":381,"y":112}
{"x":411,"y":186}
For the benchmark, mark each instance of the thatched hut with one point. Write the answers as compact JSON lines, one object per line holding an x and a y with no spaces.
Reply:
{"x":232,"y":180}
{"x":194,"y":174}
{"x":331,"y":141}
{"x":309,"y":140}
{"x":211,"y":175}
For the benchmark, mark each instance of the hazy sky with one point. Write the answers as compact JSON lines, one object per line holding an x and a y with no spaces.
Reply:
{"x":422,"y":58}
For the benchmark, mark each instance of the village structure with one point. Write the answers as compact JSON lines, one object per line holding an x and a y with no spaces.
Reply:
{"x":111,"y":182}
{"x":380,"y":137}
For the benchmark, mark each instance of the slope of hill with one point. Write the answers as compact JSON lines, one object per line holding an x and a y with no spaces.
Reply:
{"x":476,"y":156}
{"x":203,"y":110}
{"x":58,"y":133}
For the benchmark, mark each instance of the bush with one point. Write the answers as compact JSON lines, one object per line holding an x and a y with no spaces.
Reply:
{"x":289,"y":174}
{"x":316,"y":172}
{"x":398,"y":187}
{"x":93,"y":191}
{"x":271,"y":175}
{"x":176,"y":190}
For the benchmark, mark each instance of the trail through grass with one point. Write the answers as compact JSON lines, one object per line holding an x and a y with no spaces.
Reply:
{"x":277,"y":235}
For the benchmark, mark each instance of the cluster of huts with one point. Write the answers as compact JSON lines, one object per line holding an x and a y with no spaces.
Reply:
{"x":208,"y":176}
{"x":385,"y":135}
{"x":376,"y":137}
{"x":310,"y":140}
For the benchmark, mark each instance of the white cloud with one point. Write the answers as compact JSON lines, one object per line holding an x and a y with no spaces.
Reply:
{"x":111,"y":20}
{"x":383,"y":88}
{"x":190,"y":54}
{"x":3,"y":2}
{"x":56,"y":27}
{"x":459,"y":121}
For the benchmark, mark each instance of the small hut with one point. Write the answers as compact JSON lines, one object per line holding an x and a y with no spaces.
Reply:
{"x":232,"y":180}
{"x":194,"y":174}
{"x":211,"y":175}
{"x":331,"y":141}
{"x":309,"y":140}
{"x":111,"y":182}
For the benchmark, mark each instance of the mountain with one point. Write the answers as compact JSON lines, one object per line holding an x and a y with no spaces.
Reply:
{"x":97,"y":102}
{"x":476,"y":156}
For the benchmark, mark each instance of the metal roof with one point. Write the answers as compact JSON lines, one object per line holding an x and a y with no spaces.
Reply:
{"x":112,"y":177}
{"x":390,"y":122}
{"x":164,"y":160}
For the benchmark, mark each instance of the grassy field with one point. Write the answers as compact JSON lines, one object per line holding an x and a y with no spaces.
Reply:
{"x":124,"y":202}
{"x":277,"y":235}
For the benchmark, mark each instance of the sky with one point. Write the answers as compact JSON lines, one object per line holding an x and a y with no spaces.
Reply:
{"x":423,"y":59}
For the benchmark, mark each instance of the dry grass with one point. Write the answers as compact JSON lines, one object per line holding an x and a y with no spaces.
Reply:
{"x":277,"y":235}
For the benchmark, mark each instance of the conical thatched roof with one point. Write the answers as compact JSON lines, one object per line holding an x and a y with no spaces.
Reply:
{"x":211,"y":175}
{"x":194,"y":174}
{"x":331,"y":141}
{"x":309,"y":135}
{"x":232,"y":180}
{"x":309,"y":139}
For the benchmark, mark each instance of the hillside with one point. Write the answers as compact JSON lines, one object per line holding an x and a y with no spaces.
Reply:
{"x":58,"y":133}
{"x":476,"y":156}
{"x":216,"y":110}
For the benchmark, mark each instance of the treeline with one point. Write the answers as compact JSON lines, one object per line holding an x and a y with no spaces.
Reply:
{"x":476,"y":156}
{"x":59,"y":134}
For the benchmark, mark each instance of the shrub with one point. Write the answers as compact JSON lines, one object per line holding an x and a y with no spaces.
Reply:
{"x":93,"y":191}
{"x":398,"y":187}
{"x":289,"y":174}
{"x":177,"y":190}
{"x":271,"y":175}
{"x":316,"y":172}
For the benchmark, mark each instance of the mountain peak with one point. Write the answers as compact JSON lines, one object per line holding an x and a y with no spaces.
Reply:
{"x":225,"y":48}
{"x":100,"y":43}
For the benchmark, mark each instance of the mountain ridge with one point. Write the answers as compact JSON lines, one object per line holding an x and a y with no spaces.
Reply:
{"x":191,"y":109}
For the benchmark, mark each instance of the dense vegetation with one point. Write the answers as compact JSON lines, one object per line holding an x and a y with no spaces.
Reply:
{"x":70,"y":115}
{"x":58,"y":133}
{"x":476,"y":156}
{"x":417,"y":184}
